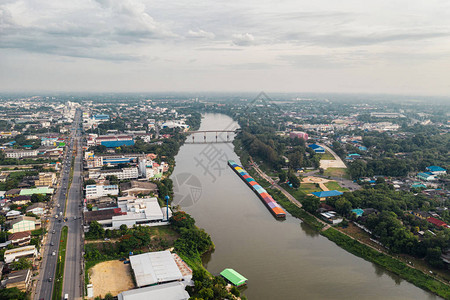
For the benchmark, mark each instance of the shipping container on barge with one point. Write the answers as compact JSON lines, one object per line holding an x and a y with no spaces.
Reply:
{"x":271,"y":204}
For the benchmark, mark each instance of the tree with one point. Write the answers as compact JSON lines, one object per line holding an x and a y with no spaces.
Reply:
{"x":96,"y":230}
{"x":123,"y":228}
{"x":311,"y":204}
{"x":343,"y":206}
{"x":12,"y":293}
{"x":293,"y":179}
{"x":21,"y":264}
{"x":282,"y":176}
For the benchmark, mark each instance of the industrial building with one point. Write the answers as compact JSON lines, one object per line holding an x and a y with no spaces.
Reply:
{"x":13,"y":254}
{"x":157,"y":268}
{"x":167,"y":291}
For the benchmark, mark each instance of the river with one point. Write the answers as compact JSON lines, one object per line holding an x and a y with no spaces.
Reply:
{"x":281,"y":259}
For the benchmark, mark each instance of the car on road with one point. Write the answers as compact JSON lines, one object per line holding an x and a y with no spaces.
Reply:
{"x":52,"y":244}
{"x":49,"y":279}
{"x":74,"y":217}
{"x":54,"y":231}
{"x":53,"y":253}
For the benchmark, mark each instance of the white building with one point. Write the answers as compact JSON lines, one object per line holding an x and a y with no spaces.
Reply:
{"x":140,"y":211}
{"x":121,"y":174}
{"x":96,"y":191}
{"x":20,"y":153}
{"x":13,"y":254}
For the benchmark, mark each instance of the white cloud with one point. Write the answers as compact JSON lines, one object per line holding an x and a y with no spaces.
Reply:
{"x":243,"y":39}
{"x":201,"y":34}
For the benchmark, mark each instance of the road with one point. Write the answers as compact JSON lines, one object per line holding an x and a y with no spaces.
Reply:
{"x":44,"y":288}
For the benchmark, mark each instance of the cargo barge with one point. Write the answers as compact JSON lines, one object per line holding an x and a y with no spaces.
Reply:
{"x":271,"y":204}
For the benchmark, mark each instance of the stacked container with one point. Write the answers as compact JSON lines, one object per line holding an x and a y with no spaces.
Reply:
{"x":273,"y":206}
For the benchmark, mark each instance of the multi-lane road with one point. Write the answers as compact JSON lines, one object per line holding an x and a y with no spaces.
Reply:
{"x":72,"y":219}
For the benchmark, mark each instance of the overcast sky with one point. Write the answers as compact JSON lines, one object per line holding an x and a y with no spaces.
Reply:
{"x":276,"y":46}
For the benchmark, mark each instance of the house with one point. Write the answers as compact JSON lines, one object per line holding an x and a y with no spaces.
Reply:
{"x":20,"y":200}
{"x":20,"y":238}
{"x":421,"y":215}
{"x":12,"y":193}
{"x":13,"y":254}
{"x":435,"y":170}
{"x":19,"y":279}
{"x":135,"y":187}
{"x":12,"y":214}
{"x":317,"y":148}
{"x":437,"y":222}
{"x":325,"y":194}
{"x":22,"y":223}
{"x":37,"y":208}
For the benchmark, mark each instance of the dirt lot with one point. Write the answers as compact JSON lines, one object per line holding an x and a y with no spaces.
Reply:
{"x":111,"y":277}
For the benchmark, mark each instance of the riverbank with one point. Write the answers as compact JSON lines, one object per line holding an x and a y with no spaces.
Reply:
{"x":415,"y":276}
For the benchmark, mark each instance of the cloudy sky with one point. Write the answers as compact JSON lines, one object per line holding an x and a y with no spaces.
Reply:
{"x":276,"y":46}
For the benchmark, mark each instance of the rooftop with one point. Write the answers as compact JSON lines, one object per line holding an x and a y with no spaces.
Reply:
{"x":325,"y":194}
{"x":167,"y":291}
{"x":154,"y":267}
{"x":233,"y":277}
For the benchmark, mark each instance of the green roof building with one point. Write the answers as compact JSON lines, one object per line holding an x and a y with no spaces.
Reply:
{"x":234,"y":277}
{"x":39,"y":190}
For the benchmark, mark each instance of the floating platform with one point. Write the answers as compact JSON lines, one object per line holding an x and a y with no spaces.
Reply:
{"x":271,"y":204}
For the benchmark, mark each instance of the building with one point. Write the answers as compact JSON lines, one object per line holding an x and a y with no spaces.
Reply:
{"x":18,"y":279}
{"x":46,"y":179}
{"x":22,"y":223}
{"x":426,"y":176}
{"x":20,"y":239}
{"x":167,"y":291}
{"x":18,"y":153}
{"x":121,"y":174}
{"x":39,"y":190}
{"x":435,"y":170}
{"x":175,"y":124}
{"x":325,"y":194}
{"x":141,"y":211}
{"x":135,"y":187}
{"x":317,"y":148}
{"x":13,"y":254}
{"x":96,"y":191}
{"x":20,"y":200}
{"x":113,"y":141}
{"x":156,"y":268}
{"x":234,"y":277}
{"x":298,"y":134}
{"x":38,"y":208}
{"x":437,"y":222}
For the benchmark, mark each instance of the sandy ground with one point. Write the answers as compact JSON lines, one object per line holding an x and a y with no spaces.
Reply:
{"x":111,"y":277}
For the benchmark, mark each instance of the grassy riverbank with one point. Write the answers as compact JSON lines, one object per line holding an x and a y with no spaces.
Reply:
{"x":59,"y":276}
{"x":412,"y":275}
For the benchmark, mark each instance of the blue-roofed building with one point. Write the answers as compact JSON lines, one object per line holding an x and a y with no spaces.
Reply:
{"x":437,"y":170}
{"x":317,"y":148}
{"x":102,"y":117}
{"x":326,"y":194}
{"x":418,"y":185}
{"x":114,"y":144}
{"x":362,"y":148}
